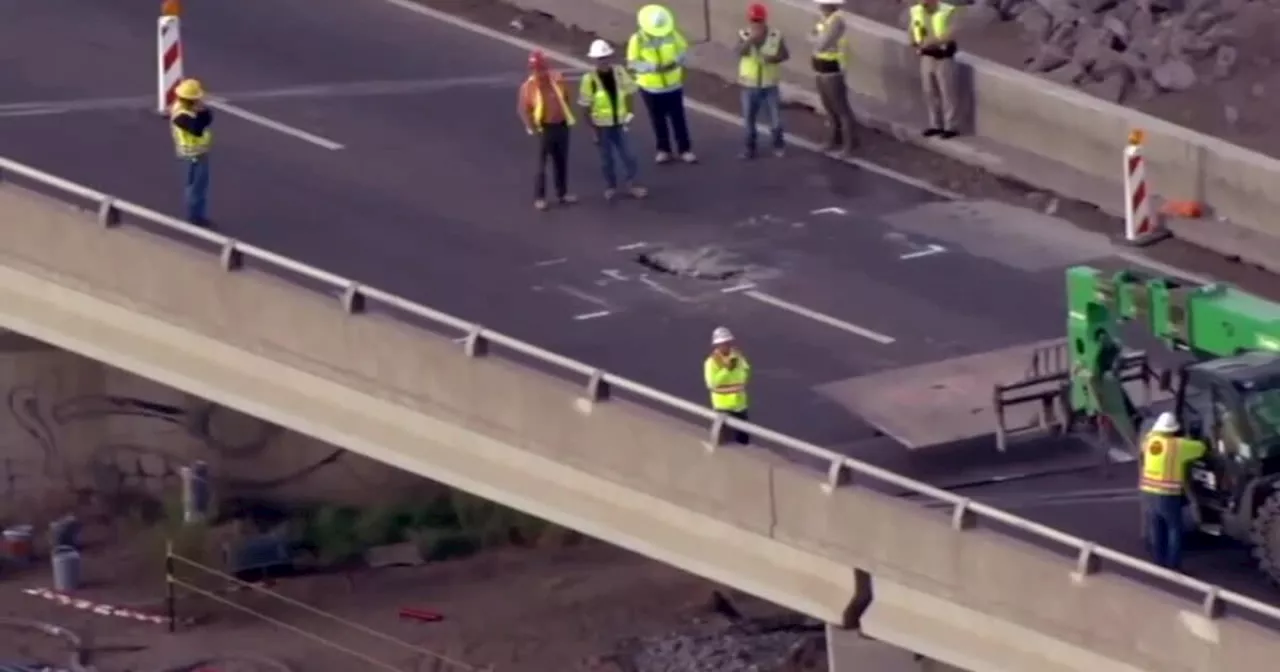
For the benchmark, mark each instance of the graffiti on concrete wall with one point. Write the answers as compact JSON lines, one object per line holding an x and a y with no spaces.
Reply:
{"x":110,"y":444}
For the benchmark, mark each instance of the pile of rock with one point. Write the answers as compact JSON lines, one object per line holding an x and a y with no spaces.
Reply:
{"x":1121,"y":49}
{"x":752,"y":646}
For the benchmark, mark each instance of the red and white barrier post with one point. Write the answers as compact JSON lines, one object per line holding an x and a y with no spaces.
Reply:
{"x":1141,"y":225}
{"x":168,"y":57}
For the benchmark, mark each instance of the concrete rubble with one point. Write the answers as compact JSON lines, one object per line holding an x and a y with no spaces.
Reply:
{"x":1121,"y":50}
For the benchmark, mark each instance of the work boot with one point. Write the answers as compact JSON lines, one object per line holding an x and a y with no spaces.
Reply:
{"x":568,"y":199}
{"x":689,"y":157}
{"x":610,"y":194}
{"x":662,"y":157}
{"x":637,"y":191}
{"x":932,"y":132}
{"x":947,"y":135}
{"x":540,"y":204}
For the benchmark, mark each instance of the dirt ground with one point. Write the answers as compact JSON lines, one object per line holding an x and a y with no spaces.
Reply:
{"x":590,"y":607}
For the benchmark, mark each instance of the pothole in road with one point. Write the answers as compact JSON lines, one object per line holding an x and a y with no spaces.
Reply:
{"x":706,"y":263}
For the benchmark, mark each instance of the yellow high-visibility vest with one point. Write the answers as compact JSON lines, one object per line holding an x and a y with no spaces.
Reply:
{"x":936,"y":24}
{"x":595,"y":97}
{"x":842,"y":45}
{"x":557,"y":84}
{"x":728,"y":386}
{"x":754,"y":71}
{"x":655,"y":52}
{"x":1164,"y":462}
{"x":188,"y":145}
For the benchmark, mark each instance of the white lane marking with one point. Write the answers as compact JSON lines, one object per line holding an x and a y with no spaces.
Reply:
{"x":579,"y":294}
{"x":742,"y":287}
{"x":614,"y":274}
{"x":276,"y":126}
{"x":820,"y":317}
{"x":592,"y":316}
{"x":552,"y":262}
{"x":829,"y":211}
{"x":665,"y":291}
{"x":631,"y":246}
{"x":931,"y":250}
{"x":702,"y":108}
{"x":326,"y":90}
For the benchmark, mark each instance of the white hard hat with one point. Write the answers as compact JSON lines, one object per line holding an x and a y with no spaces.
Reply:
{"x":1165,"y":424}
{"x":721,"y":335}
{"x":829,"y":2}
{"x":599,"y":49}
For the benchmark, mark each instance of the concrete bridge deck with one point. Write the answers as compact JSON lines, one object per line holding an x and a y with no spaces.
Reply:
{"x":354,"y":366}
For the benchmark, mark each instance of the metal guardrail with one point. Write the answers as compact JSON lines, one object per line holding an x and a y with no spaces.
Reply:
{"x":354,"y":298}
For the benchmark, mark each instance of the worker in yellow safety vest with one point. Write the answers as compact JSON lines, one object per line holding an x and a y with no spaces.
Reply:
{"x":761,"y":50}
{"x":830,"y":56}
{"x":606,"y":93}
{"x":727,"y":372}
{"x":190,"y":123}
{"x":1165,"y":457}
{"x":544,"y":108}
{"x":931,"y":35}
{"x":657,"y":53}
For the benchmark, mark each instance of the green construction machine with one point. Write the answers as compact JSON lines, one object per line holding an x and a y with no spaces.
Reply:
{"x":1226,"y":393}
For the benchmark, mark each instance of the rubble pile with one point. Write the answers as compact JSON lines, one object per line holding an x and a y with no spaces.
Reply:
{"x":1123,"y":49}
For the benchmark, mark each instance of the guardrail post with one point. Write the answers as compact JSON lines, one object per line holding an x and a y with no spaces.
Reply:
{"x":353,"y":299}
{"x":962,"y":517}
{"x":108,"y":215}
{"x":719,"y":433}
{"x":476,"y":345}
{"x":1211,"y":606}
{"x":838,"y":474}
{"x":1086,"y":563}
{"x":230,"y":257}
{"x":598,"y":387}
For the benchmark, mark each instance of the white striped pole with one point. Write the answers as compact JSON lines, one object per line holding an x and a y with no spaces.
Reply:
{"x":168,"y":61}
{"x":1140,"y":223}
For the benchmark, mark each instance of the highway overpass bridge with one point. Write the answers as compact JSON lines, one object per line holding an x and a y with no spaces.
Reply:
{"x":795,"y":524}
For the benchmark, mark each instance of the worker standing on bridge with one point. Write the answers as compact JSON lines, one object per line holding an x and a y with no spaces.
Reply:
{"x":656,"y":52}
{"x":544,"y":108}
{"x":936,"y":46}
{"x":830,"y":47}
{"x":761,"y":51}
{"x":606,"y":93}
{"x":190,"y":122}
{"x":727,"y":373}
{"x":1165,"y":457}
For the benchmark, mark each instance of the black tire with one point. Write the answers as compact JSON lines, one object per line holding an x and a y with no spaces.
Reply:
{"x":1264,"y":533}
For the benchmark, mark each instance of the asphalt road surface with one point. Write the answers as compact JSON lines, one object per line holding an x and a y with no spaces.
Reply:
{"x":383,"y":145}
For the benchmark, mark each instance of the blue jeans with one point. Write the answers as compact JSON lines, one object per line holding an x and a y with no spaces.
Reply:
{"x":755,"y":101}
{"x":195,"y":193}
{"x":1163,"y":515}
{"x":613,"y":140}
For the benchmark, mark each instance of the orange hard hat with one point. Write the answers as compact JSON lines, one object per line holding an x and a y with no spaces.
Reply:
{"x":757,"y":13}
{"x":537,"y":61}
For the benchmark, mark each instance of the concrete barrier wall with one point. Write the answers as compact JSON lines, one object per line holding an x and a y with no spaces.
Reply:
{"x":72,"y":428}
{"x":1050,"y":135}
{"x":971,"y":597}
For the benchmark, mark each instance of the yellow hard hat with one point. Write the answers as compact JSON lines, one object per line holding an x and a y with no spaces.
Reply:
{"x":656,"y":20}
{"x":189,"y":89}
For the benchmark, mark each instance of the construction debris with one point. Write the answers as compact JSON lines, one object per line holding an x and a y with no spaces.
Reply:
{"x":1116,"y":49}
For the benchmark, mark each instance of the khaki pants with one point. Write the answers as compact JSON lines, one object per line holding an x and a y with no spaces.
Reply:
{"x":941,"y":92}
